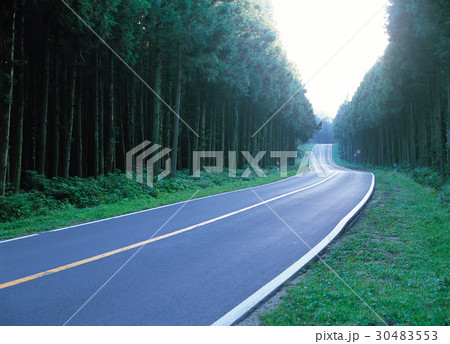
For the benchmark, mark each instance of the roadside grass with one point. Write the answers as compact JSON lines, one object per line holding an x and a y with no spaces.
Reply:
{"x":395,"y":258}
{"x":424,"y":176}
{"x":32,"y":211}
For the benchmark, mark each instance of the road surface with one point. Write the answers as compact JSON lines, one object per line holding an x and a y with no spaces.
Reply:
{"x":202,"y":262}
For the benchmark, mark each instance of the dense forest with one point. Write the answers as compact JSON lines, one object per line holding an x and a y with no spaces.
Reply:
{"x":324,"y":132}
{"x":400,"y":112}
{"x":83,"y":82}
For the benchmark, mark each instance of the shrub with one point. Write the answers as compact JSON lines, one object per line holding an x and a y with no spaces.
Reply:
{"x":444,"y":196}
{"x":22,"y":205}
{"x":428,"y":177}
{"x":40,"y":194}
{"x":31,"y":180}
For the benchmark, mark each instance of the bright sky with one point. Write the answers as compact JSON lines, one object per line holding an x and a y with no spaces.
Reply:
{"x":313,"y":31}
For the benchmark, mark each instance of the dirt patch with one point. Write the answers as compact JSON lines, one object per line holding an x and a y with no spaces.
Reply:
{"x":383,"y":239}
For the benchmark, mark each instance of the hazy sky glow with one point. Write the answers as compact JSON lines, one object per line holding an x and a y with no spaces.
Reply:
{"x":312,"y":31}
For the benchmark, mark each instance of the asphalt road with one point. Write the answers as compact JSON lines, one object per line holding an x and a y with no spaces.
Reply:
{"x":212,"y":258}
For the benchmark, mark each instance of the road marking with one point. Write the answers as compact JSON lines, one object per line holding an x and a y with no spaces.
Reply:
{"x":265,"y":291}
{"x":130,"y":247}
{"x":19,"y":238}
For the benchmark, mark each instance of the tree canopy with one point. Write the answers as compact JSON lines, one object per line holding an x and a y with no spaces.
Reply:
{"x":71,"y":107}
{"x":400,"y":112}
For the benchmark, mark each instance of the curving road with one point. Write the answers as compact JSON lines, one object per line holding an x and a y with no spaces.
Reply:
{"x":202,"y":262}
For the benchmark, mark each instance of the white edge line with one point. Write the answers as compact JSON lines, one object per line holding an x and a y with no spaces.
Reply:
{"x":248,"y":304}
{"x":145,"y":210}
{"x":19,"y":238}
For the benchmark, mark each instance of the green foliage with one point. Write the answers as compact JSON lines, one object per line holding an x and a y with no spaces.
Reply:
{"x":432,"y":179}
{"x":232,"y":65}
{"x":428,"y":177}
{"x":24,"y":205}
{"x":444,"y":196}
{"x":42,"y":195}
{"x":399,"y":114}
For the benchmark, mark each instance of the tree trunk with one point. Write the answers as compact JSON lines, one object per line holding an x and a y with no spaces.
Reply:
{"x":211,"y":136}
{"x":438,"y":124}
{"x":236,"y":132}
{"x":79,"y":134}
{"x":412,"y":136}
{"x":132,"y":111}
{"x":112,"y":122}
{"x":96,"y":154}
{"x":101,"y":124}
{"x":388,"y":137}
{"x":222,"y":136}
{"x":110,"y":139}
{"x":67,"y":145}
{"x":142,"y":130}
{"x":41,"y":143}
{"x":203,"y":126}
{"x":157,"y":101}
{"x":156,"y":138}
{"x":6,"y":116}
{"x":381,"y":146}
{"x":197,"y":120}
{"x":176,"y":118}
{"x":17,"y":120}
{"x":448,"y":112}
{"x":54,"y":166}
{"x":423,"y":146}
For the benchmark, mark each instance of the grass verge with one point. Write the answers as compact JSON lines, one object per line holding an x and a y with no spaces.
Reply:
{"x":395,"y":258}
{"x":45,"y":215}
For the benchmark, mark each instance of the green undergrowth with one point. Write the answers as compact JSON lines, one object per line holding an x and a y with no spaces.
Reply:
{"x":424,"y":176}
{"x":46,"y":204}
{"x":395,"y":258}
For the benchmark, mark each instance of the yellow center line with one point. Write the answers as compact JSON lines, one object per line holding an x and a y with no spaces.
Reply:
{"x":87,"y":260}
{"x":142,"y":243}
